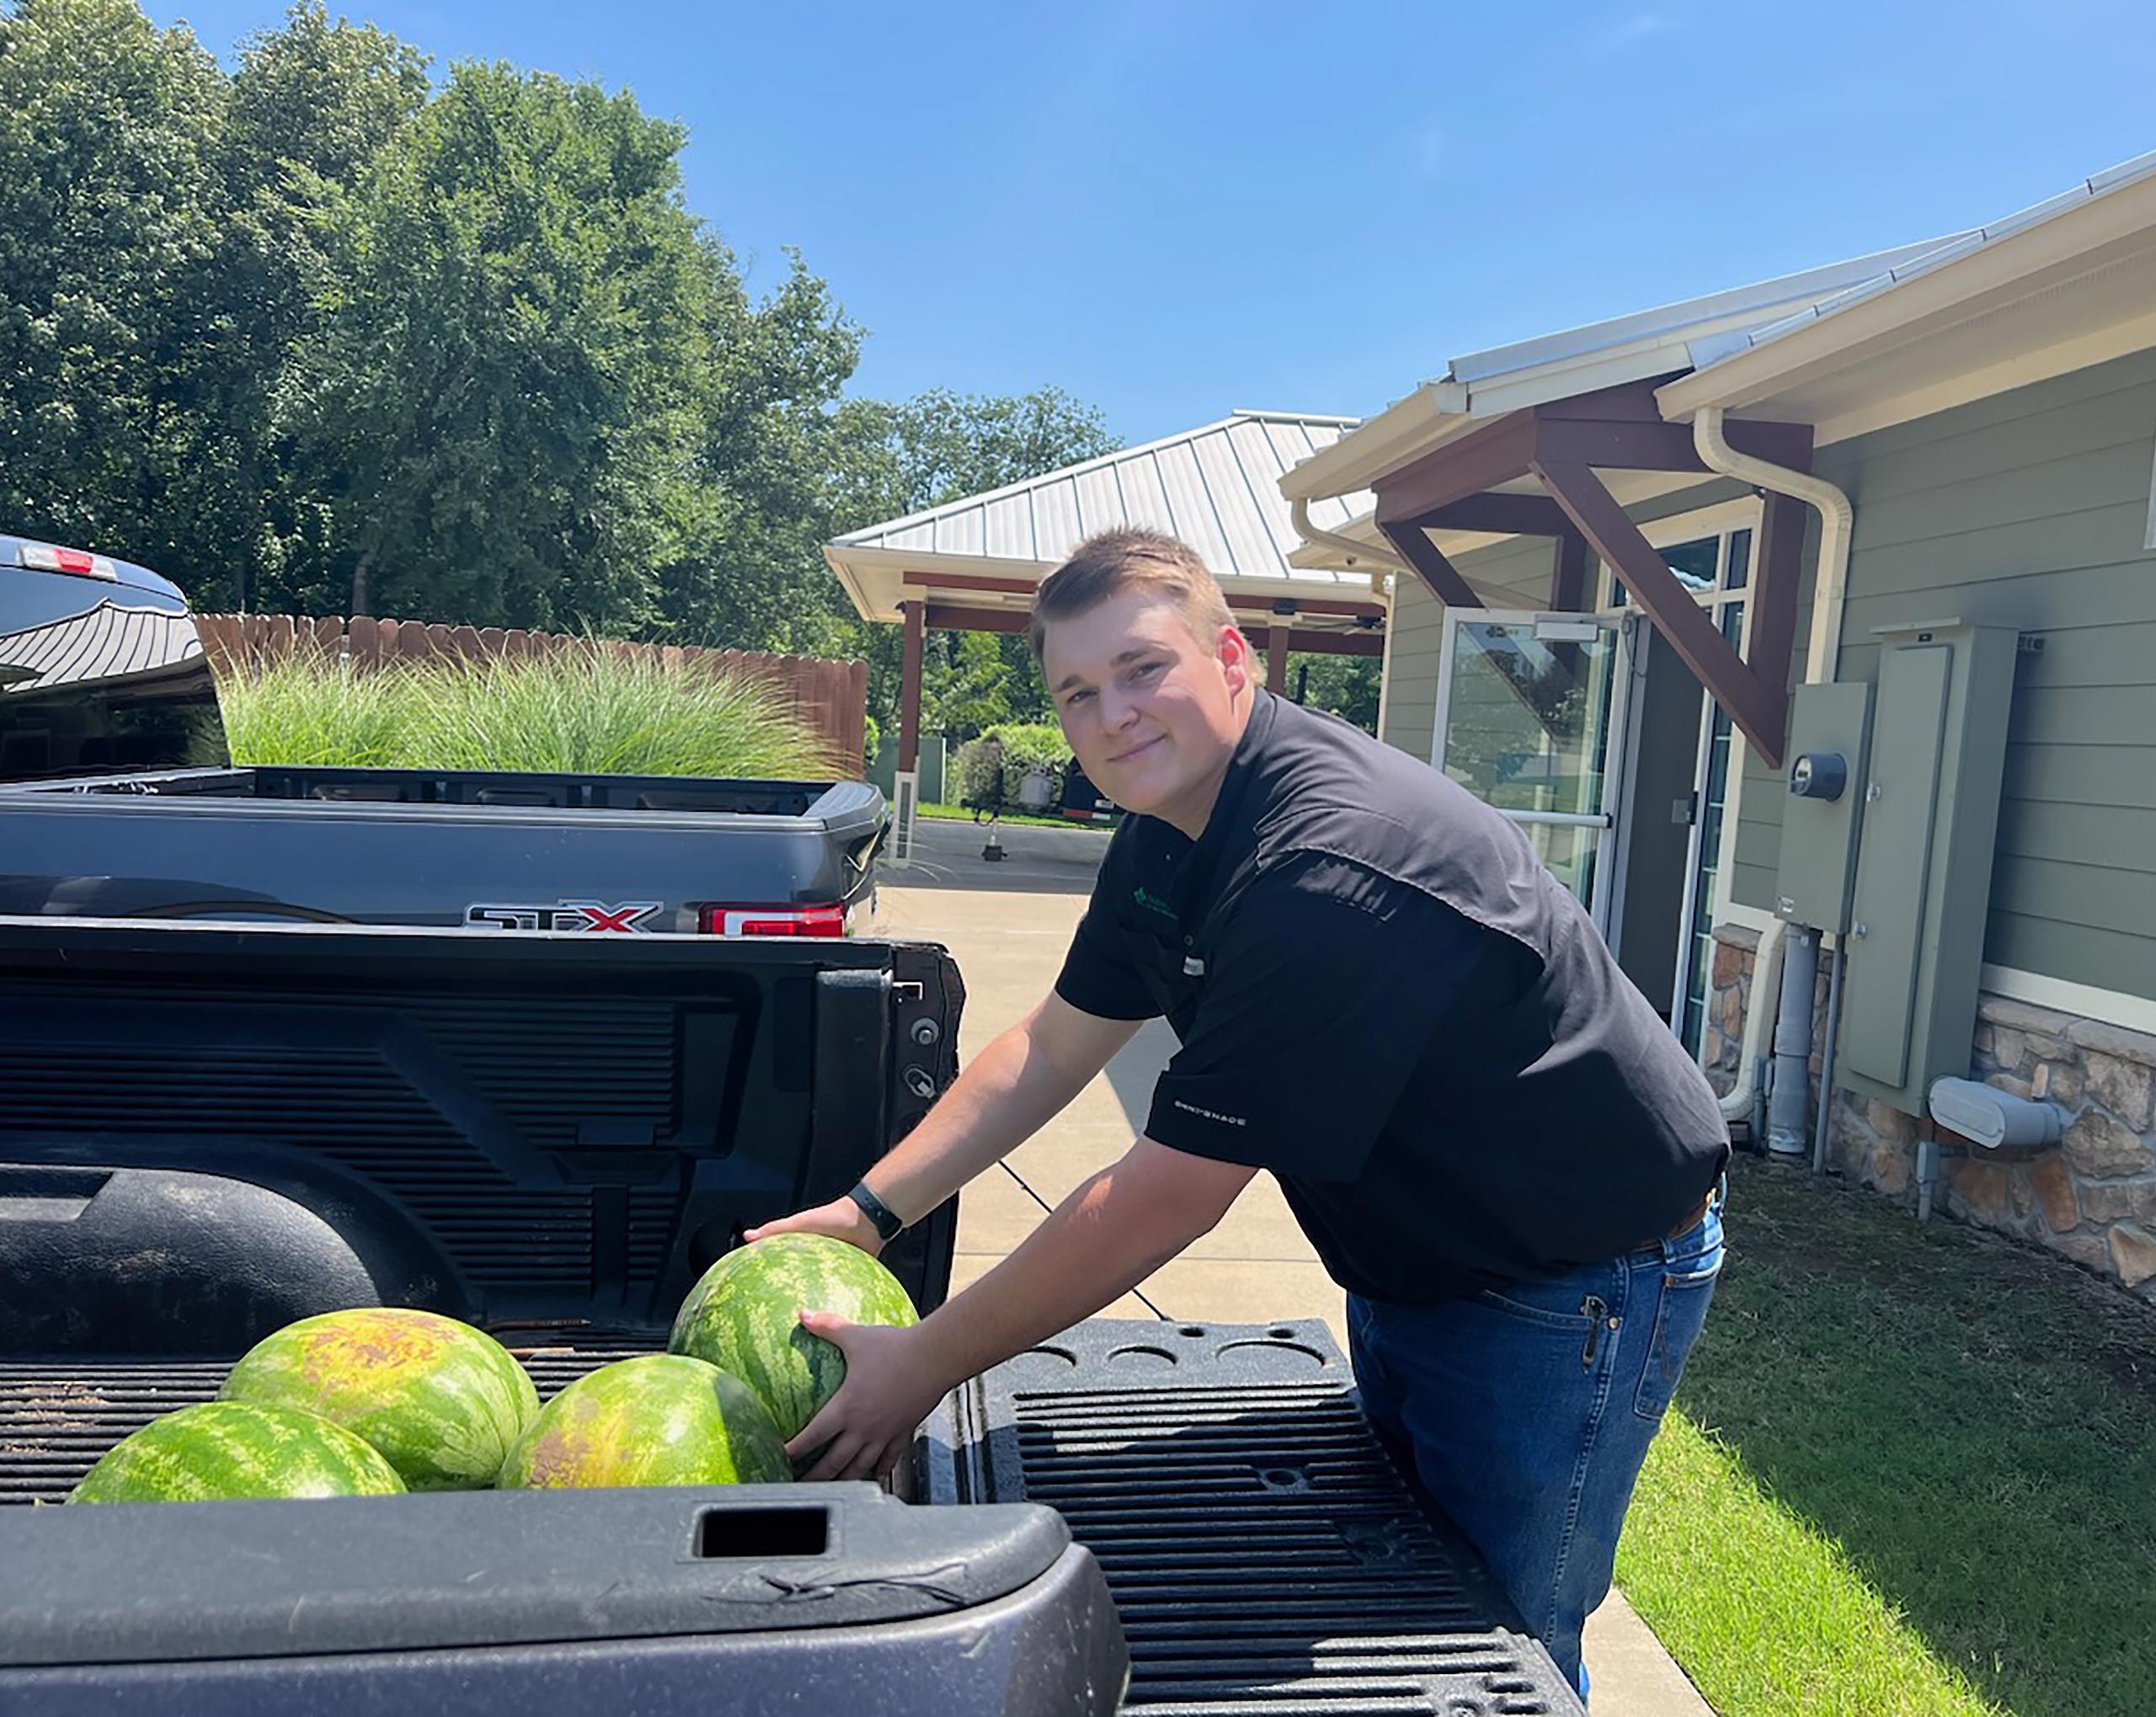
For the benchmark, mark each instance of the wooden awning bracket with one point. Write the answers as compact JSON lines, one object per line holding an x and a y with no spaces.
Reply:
{"x":1562,"y":445}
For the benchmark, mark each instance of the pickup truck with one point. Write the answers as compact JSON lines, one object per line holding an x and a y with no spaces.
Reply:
{"x":208,"y":1129}
{"x":120,"y":800}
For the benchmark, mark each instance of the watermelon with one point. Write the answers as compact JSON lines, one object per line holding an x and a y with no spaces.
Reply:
{"x":744,"y":1316}
{"x":221,"y":1449}
{"x":442,"y":1402}
{"x":659,"y":1419}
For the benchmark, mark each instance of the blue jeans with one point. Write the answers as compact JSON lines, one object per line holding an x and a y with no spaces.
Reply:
{"x":1524,"y":1415}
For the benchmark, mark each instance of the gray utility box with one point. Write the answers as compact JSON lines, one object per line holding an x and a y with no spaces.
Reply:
{"x":1829,"y":734}
{"x":1929,"y":809}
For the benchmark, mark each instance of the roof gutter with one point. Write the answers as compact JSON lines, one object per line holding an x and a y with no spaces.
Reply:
{"x":1381,"y":560}
{"x":1946,"y":280}
{"x":1376,"y":445}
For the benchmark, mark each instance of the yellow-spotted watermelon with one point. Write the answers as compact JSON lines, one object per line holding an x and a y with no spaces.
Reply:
{"x":743,"y":1317}
{"x":218,"y":1450}
{"x":659,"y":1419}
{"x":442,"y":1402}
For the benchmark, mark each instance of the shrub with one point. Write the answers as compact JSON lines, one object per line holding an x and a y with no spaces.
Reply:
{"x":1006,"y":755}
{"x":311,"y":709}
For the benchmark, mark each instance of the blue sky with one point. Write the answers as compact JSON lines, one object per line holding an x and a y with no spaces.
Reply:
{"x":1174,"y":209}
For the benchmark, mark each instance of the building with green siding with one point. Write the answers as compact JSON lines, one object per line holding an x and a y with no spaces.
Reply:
{"x":1970,"y":424}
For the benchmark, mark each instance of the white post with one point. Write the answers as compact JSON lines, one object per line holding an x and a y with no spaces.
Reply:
{"x":905,"y":802}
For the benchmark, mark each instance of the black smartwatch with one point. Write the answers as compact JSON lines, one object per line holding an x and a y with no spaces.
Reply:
{"x":885,"y":1219}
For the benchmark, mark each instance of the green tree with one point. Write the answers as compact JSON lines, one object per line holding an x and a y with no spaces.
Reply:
{"x":894,"y":459}
{"x":315,"y":335}
{"x":1345,"y":685}
{"x":965,"y":684}
{"x":504,"y":400}
{"x":110,"y":208}
{"x":312,"y":106}
{"x":940,"y":446}
{"x":775,"y":452}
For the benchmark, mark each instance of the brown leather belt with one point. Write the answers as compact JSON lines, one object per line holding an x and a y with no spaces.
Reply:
{"x":1699,"y":1215}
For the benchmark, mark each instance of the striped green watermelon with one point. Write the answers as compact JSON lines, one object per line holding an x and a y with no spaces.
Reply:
{"x":743,"y":1317}
{"x":659,"y":1419}
{"x":442,"y":1401}
{"x":223,"y":1449}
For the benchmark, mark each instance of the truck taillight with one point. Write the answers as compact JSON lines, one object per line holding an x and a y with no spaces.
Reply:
{"x":47,"y":557}
{"x":723,"y":921}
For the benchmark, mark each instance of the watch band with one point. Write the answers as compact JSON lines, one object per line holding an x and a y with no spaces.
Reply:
{"x":886,"y":1219}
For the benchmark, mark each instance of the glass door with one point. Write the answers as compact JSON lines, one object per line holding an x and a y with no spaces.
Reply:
{"x":1719,"y":767}
{"x":1528,"y":709}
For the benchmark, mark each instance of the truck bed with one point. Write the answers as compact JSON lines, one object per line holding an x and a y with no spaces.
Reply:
{"x":443,"y":847}
{"x":1262,"y":1554}
{"x":206,"y":1131}
{"x":688,"y":1600}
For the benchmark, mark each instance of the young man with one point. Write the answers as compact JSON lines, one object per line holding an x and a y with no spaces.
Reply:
{"x":1384,"y":999}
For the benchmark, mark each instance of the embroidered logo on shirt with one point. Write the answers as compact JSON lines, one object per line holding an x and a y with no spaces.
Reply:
{"x":1151,"y":902}
{"x":1209,"y":1114}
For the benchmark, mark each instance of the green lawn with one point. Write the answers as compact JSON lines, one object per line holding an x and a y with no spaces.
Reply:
{"x":1913,"y":1471}
{"x":962,"y":813}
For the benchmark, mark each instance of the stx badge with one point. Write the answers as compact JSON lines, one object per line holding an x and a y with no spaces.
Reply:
{"x":566,"y":914}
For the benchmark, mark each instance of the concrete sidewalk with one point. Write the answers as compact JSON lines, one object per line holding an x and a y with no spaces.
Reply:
{"x":1007,"y":925}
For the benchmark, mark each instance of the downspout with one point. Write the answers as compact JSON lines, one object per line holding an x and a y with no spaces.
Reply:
{"x":1743,"y":1096}
{"x":1830,"y":589}
{"x":1837,"y":519}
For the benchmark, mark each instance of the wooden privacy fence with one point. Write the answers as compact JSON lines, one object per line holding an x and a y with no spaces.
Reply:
{"x":832,"y":697}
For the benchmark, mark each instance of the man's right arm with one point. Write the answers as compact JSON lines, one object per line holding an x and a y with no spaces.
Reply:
{"x":1006,"y":1094}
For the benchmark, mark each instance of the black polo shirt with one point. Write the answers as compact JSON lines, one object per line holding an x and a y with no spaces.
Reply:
{"x":1383,"y":998}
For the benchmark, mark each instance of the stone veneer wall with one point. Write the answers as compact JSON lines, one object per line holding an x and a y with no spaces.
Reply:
{"x":2092,"y":1197}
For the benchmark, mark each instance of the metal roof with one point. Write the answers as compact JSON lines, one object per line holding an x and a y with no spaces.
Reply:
{"x":1720,"y":348}
{"x":1682,"y":321}
{"x":1217,"y":488}
{"x":107,"y":641}
{"x":1479,"y":386}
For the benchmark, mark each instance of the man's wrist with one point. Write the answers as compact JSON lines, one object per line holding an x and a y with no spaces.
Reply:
{"x":886,"y":1222}
{"x":944,"y":1346}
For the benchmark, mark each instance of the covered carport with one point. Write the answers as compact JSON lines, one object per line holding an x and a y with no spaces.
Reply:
{"x":974,"y":564}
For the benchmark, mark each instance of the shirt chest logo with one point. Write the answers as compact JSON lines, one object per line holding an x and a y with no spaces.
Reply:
{"x":1153,"y":902}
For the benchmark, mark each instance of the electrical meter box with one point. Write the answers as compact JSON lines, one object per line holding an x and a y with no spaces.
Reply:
{"x":1929,"y":819}
{"x":1830,"y":729}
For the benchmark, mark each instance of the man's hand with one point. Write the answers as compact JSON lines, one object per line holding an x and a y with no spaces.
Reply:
{"x":842,"y":1220}
{"x":869,"y":1423}
{"x":1107,"y":1237}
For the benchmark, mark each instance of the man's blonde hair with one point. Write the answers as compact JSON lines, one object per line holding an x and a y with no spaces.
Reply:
{"x":1130,"y":558}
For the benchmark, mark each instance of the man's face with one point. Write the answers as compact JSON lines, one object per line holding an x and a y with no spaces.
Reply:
{"x":1152,"y":714}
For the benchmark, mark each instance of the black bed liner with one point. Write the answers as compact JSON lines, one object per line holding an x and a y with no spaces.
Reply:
{"x":1263,"y":1556}
{"x":1266,"y":1556}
